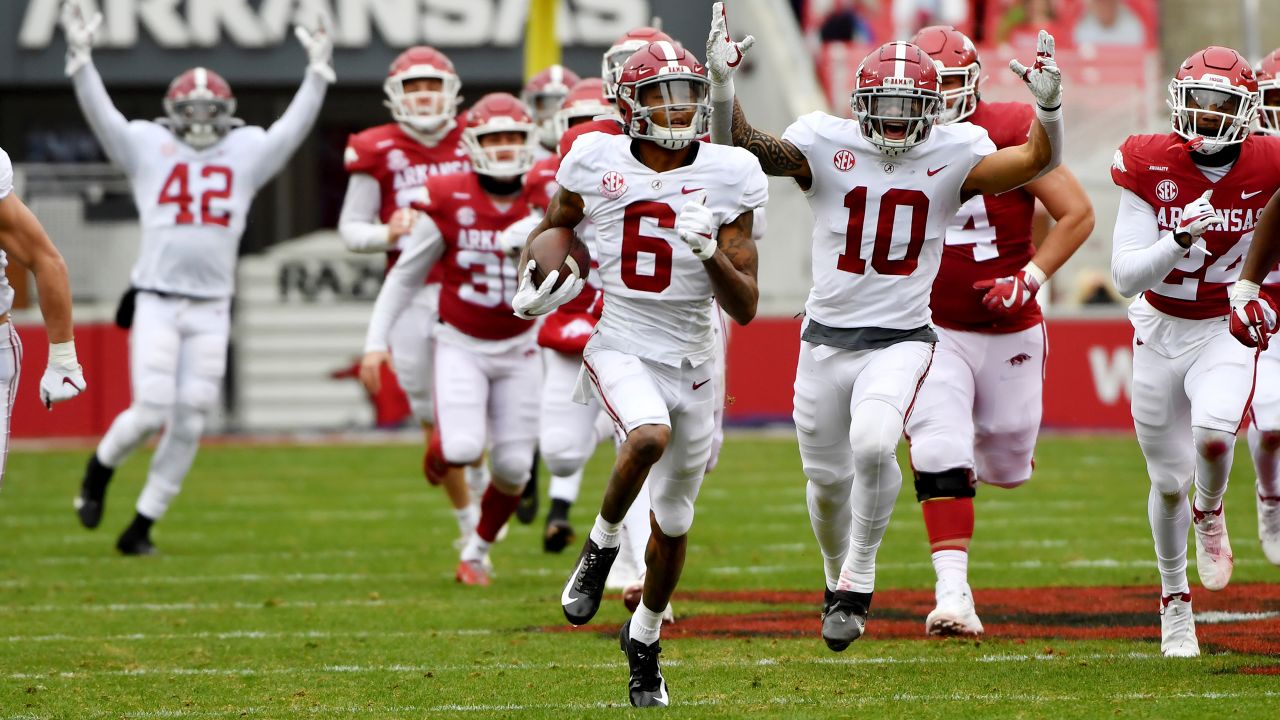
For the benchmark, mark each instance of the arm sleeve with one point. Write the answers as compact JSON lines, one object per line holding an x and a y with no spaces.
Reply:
{"x":6,"y":175}
{"x":358,"y":224}
{"x":424,"y":246}
{"x":287,"y":133}
{"x":108,"y":125}
{"x":1137,"y":264}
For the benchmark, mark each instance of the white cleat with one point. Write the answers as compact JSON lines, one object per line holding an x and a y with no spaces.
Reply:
{"x":1178,"y":627}
{"x":1269,"y":528}
{"x":955,"y":614}
{"x":1213,"y":548}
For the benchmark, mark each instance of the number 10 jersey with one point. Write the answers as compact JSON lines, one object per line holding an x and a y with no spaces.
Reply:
{"x":657,"y":295}
{"x":880,"y":220}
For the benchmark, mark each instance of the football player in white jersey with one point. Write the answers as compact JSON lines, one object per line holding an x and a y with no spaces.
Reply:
{"x":882,"y":187}
{"x":673,"y":230}
{"x":22,"y":237}
{"x":194,"y":174}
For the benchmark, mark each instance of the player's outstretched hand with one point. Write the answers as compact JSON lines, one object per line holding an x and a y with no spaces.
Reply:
{"x":723,"y":54}
{"x":1007,"y":295}
{"x":79,"y":30}
{"x":63,"y":378}
{"x":1253,"y":315}
{"x":371,"y":370}
{"x":1043,"y":78}
{"x":319,"y":46}
{"x":696,"y":225}
{"x":532,"y":300}
{"x":1197,"y":217}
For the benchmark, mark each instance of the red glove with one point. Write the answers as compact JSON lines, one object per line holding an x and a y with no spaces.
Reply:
{"x":1007,"y":295}
{"x":1253,"y":315}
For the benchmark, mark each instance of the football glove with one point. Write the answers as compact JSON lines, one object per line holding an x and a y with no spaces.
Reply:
{"x":697,"y":227}
{"x":64,"y":378}
{"x":1253,"y":315}
{"x":1043,"y":78}
{"x":319,"y":46}
{"x":532,"y":301}
{"x":79,"y":31}
{"x":1007,"y":295}
{"x":723,"y":54}
{"x":1197,"y":217}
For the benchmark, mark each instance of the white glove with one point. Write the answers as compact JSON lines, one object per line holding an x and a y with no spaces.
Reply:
{"x":1197,"y":218}
{"x":1044,"y":79}
{"x":319,"y":46}
{"x":696,"y":224}
{"x":63,"y":379}
{"x":723,"y":54}
{"x":79,"y":32}
{"x":513,"y":239}
{"x":530,"y":301}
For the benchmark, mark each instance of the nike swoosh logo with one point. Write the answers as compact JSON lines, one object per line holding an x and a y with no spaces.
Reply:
{"x":566,"y":597}
{"x":687,"y":190}
{"x":1246,"y":196}
{"x":935,"y":172}
{"x":67,"y":381}
{"x":698,"y":385}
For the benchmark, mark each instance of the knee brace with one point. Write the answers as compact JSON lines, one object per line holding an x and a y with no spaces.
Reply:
{"x":673,"y":514}
{"x":953,"y":483}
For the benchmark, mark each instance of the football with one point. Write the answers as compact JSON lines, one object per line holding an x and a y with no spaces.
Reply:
{"x":559,"y":249}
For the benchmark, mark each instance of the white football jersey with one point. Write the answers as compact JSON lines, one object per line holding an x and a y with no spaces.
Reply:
{"x":657,"y":293}
{"x":6,"y":189}
{"x":880,"y":221}
{"x":193,"y":204}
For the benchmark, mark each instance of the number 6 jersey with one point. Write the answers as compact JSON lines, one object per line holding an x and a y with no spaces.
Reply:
{"x":879,"y":224}
{"x":657,"y":295}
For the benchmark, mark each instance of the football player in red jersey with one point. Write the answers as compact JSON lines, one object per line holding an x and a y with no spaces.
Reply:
{"x":978,"y":412}
{"x":867,"y":339}
{"x":486,"y":359}
{"x":1264,"y":415}
{"x":544,"y":94}
{"x":1189,"y":202}
{"x":389,"y":164}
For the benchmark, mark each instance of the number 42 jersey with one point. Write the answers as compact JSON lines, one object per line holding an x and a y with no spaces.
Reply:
{"x":657,"y":293}
{"x":879,"y":221}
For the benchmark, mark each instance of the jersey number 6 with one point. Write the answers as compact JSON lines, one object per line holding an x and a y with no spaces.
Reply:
{"x":637,"y":247}
{"x":851,"y":260}
{"x":176,"y":191}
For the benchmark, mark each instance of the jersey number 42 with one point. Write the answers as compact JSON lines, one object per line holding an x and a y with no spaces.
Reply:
{"x":176,"y":190}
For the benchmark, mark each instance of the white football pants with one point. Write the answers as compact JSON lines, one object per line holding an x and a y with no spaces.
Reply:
{"x":10,"y":370}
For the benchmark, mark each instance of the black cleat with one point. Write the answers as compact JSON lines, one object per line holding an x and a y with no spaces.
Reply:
{"x":585,"y":587}
{"x":132,"y":545}
{"x":527,"y":510}
{"x":844,"y":618}
{"x":93,"y":492}
{"x":558,"y":534}
{"x":647,"y":686}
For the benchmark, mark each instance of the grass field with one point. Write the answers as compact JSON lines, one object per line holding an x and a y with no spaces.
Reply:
{"x":316,"y":582}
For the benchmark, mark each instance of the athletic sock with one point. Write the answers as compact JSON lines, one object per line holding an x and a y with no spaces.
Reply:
{"x":559,"y":510}
{"x":646,"y":624}
{"x":496,"y":508}
{"x":606,"y":534}
{"x":952,"y":566}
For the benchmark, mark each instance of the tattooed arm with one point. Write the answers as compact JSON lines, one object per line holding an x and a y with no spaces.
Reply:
{"x":733,"y":269}
{"x":777,"y":157}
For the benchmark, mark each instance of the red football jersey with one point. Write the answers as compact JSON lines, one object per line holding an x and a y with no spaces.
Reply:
{"x":401,"y":165}
{"x":478,"y":279}
{"x":1159,"y":170}
{"x":990,"y":237}
{"x":540,"y":182}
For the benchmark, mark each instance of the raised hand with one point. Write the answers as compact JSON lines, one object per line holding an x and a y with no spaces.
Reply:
{"x":80,"y":31}
{"x":723,"y":54}
{"x":319,"y":46}
{"x":1044,"y":79}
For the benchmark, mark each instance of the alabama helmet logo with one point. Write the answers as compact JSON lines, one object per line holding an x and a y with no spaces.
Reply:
{"x":613,"y":185}
{"x":1167,"y":190}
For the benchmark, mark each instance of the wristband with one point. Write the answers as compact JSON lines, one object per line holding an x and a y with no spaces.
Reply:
{"x":1034,"y":271}
{"x":63,"y":354}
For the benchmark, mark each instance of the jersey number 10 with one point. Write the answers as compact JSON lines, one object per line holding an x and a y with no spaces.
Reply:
{"x":851,"y":260}
{"x":176,"y":191}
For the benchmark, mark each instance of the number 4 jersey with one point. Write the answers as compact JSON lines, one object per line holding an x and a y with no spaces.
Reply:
{"x":657,"y":293}
{"x":879,"y":223}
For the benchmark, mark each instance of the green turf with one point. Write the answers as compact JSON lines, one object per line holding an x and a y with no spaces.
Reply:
{"x":314,"y":582}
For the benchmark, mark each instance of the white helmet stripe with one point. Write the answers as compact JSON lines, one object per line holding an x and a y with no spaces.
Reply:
{"x":668,"y":52}
{"x":202,"y":79}
{"x":557,"y":75}
{"x":900,"y":64}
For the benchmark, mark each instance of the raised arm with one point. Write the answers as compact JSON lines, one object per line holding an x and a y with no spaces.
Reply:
{"x":287,"y":133}
{"x":108,"y":125}
{"x":777,"y":157}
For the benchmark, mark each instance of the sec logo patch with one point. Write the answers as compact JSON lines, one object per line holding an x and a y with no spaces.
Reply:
{"x":466,"y":216}
{"x":613,"y":185}
{"x":843,"y":161}
{"x":1167,"y":190}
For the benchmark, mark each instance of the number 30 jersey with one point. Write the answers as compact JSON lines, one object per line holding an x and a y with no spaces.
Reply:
{"x":193,"y":203}
{"x":879,"y":221}
{"x":657,"y":293}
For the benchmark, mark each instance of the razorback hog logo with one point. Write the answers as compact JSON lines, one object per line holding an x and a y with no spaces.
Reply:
{"x":1019,"y":359}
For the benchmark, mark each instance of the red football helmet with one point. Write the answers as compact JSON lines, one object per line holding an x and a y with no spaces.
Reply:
{"x":499,"y":113}
{"x":896,"y":98}
{"x":585,"y":101}
{"x":682,"y":83}
{"x":1214,"y":98}
{"x":954,"y":56}
{"x":200,"y":107}
{"x":616,"y":56}
{"x":424,"y":111}
{"x":543,"y":94}
{"x":1268,"y":74}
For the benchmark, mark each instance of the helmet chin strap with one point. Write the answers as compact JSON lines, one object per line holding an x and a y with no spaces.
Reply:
{"x":430,"y":139}
{"x":1217,"y":156}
